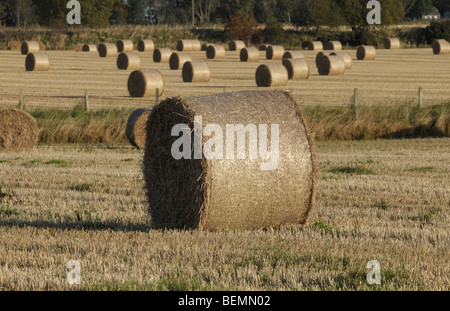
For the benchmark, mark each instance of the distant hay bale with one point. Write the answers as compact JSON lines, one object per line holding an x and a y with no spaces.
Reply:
{"x":146,"y":45}
{"x":89,"y":48}
{"x":136,"y":125}
{"x":366,"y":52}
{"x":129,"y":61}
{"x":346,"y":57}
{"x":78,"y":47}
{"x":250,"y":54}
{"x":334,"y":46}
{"x":331,"y":65}
{"x":297,"y":68}
{"x":145,"y":83}
{"x":213,"y":193}
{"x":215,"y":52}
{"x":275,"y":52}
{"x":125,"y":46}
{"x":37,"y":62}
{"x":18,"y":131}
{"x":189,"y":45}
{"x":177,"y":60}
{"x":392,"y":44}
{"x":320,"y":55}
{"x":107,"y":50}
{"x":236,"y":45}
{"x":196,"y":72}
{"x":315,"y":46}
{"x":271,"y":75}
{"x":162,"y":55}
{"x":15,"y":46}
{"x":441,"y":47}
{"x":293,"y":54}
{"x":30,"y":47}
{"x":263,"y":47}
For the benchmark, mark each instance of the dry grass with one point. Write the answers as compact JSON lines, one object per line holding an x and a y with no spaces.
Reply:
{"x":92,"y":209}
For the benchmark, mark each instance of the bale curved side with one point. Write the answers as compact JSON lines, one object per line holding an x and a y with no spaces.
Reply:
{"x":271,"y":75}
{"x":145,"y":83}
{"x":346,"y":57}
{"x":236,"y":45}
{"x":315,"y":46}
{"x":441,"y":47}
{"x":392,"y":44}
{"x":293,"y":54}
{"x":136,"y":125}
{"x":334,"y":46}
{"x":18,"y":131}
{"x":91,"y":48}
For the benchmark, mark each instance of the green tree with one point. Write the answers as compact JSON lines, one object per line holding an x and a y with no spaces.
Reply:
{"x":391,"y":12}
{"x":137,"y":12}
{"x":241,"y":27}
{"x":264,"y":9}
{"x":96,"y":13}
{"x":317,"y":13}
{"x":52,"y":12}
{"x":285,"y":10}
{"x":119,"y":13}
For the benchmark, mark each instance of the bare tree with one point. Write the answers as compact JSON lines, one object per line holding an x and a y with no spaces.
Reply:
{"x":23,"y":11}
{"x":204,"y":8}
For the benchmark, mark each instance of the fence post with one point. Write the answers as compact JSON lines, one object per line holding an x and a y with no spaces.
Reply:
{"x":21,"y":102}
{"x":157,"y":96}
{"x":355,"y":103}
{"x":86,"y":101}
{"x":420,"y":97}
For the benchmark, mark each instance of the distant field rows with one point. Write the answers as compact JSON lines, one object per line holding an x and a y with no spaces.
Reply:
{"x":393,"y":78}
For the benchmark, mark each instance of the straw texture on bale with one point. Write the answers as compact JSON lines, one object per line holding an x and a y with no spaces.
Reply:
{"x":236,"y":45}
{"x":215,"y":52}
{"x":441,"y":47}
{"x":297,"y":68}
{"x":125,"y":46}
{"x":145,"y":83}
{"x":177,"y":60}
{"x":18,"y":131}
{"x":37,"y":62}
{"x":392,"y":44}
{"x":89,"y":48}
{"x":268,"y":75}
{"x":135,"y":130}
{"x":293,"y":54}
{"x":250,"y":54}
{"x":315,"y":46}
{"x":346,"y":57}
{"x":189,"y":45}
{"x":30,"y":47}
{"x":146,"y":45}
{"x":319,"y":56}
{"x":218,"y":194}
{"x":107,"y":50}
{"x":128,"y":61}
{"x":334,"y":46}
{"x":275,"y":52}
{"x":162,"y":55}
{"x":196,"y":72}
{"x":331,"y":65}
{"x":366,"y":52}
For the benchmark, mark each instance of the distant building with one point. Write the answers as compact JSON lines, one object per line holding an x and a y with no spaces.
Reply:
{"x":433,"y":15}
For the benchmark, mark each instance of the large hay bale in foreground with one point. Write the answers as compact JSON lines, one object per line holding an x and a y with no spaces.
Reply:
{"x":189,"y":45}
{"x":177,"y":60}
{"x":162,"y":55}
{"x":91,"y":48}
{"x":196,"y":72}
{"x":333,"y":46}
{"x":346,"y":57}
{"x":213,"y":193}
{"x":250,"y":54}
{"x":18,"y":131}
{"x":215,"y":52}
{"x":366,"y":52}
{"x":30,"y":47}
{"x":331,"y":65}
{"x":129,"y":61}
{"x":320,"y":55}
{"x":37,"y":62}
{"x":236,"y":45}
{"x":107,"y":50}
{"x":293,"y":54}
{"x":275,"y":52}
{"x":392,"y":44}
{"x":145,"y":83}
{"x":315,"y":46}
{"x":146,"y":45}
{"x":268,"y":75}
{"x":441,"y":47}
{"x":136,"y":128}
{"x":297,"y":68}
{"x":125,"y":46}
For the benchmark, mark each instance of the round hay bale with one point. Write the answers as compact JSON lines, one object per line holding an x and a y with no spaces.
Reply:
{"x":18,"y":131}
{"x":320,"y":55}
{"x":331,"y":65}
{"x":78,"y":47}
{"x":15,"y":45}
{"x":236,"y":45}
{"x":135,"y":130}
{"x":145,"y":83}
{"x":315,"y":46}
{"x":366,"y":52}
{"x":125,"y":46}
{"x":129,"y":61}
{"x":250,"y":54}
{"x":334,"y":46}
{"x":89,"y":48}
{"x":107,"y":50}
{"x":162,"y":55}
{"x":30,"y":47}
{"x":268,"y":75}
{"x":297,"y":68}
{"x":441,"y":47}
{"x":196,"y":72}
{"x":275,"y":52}
{"x":263,"y":47}
{"x":189,"y":45}
{"x":346,"y":57}
{"x":293,"y":54}
{"x":392,"y":44}
{"x":215,"y":52}
{"x":146,"y":45}
{"x":212,"y":193}
{"x":177,"y":60}
{"x":37,"y":62}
